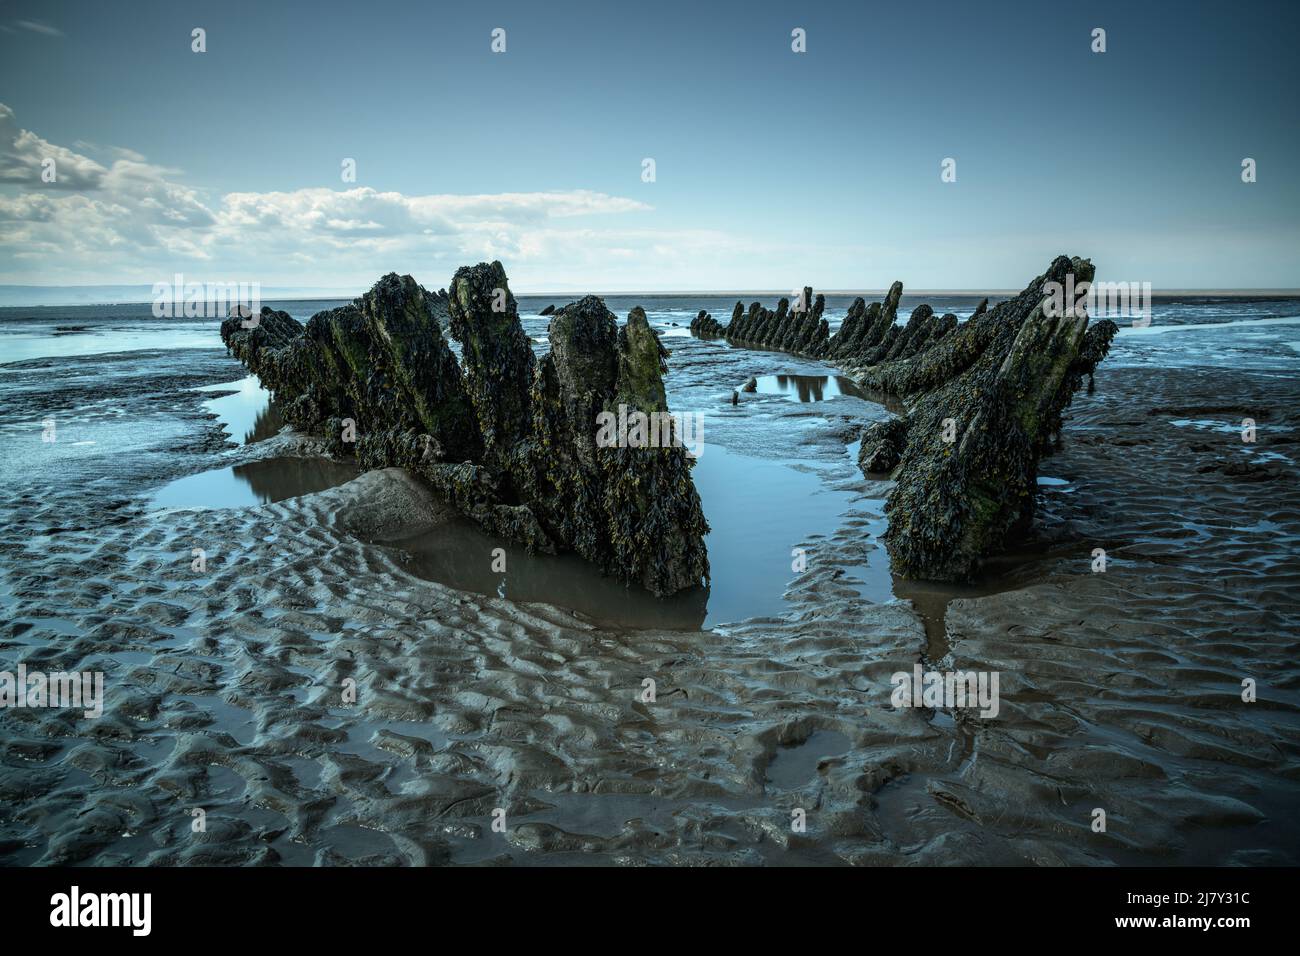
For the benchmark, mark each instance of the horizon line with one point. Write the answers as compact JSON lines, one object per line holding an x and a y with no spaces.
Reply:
{"x":570,"y":295}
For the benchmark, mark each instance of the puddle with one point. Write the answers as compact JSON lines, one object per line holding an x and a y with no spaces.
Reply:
{"x":876,"y":583}
{"x":256,"y":483}
{"x":565,"y":580}
{"x":792,"y":767}
{"x":1000,"y":573}
{"x":808,"y":388}
{"x":248,"y":415}
{"x":930,"y":600}
{"x":757,"y":510}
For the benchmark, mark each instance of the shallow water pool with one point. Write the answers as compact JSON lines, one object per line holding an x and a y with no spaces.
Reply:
{"x":808,"y":388}
{"x":255,"y":483}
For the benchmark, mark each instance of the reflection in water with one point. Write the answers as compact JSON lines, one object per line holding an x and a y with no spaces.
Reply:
{"x":757,"y":510}
{"x":808,"y":388}
{"x":276,"y":479}
{"x":258,"y":482}
{"x":267,"y":425}
{"x":564,"y":580}
{"x":793,"y":767}
{"x":248,"y":415}
{"x":891,"y":403}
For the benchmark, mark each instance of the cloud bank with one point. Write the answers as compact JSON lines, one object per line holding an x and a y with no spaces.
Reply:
{"x":121,"y":219}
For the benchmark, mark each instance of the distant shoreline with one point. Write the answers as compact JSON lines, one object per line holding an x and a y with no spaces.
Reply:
{"x":746,"y":294}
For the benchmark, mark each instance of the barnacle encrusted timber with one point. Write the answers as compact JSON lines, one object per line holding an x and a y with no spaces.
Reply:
{"x":509,"y":440}
{"x":984,"y":403}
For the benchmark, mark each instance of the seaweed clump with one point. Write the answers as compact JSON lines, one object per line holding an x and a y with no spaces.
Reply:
{"x":509,"y":441}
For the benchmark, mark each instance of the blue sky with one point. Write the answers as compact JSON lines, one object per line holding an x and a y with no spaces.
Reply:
{"x":773,"y":169}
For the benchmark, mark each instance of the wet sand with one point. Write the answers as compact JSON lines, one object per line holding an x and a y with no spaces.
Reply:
{"x":225,"y":688}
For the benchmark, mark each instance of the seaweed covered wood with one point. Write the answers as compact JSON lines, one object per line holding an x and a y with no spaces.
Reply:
{"x":381,"y":360}
{"x":984,"y":404}
{"x":631,"y":510}
{"x":985,"y":400}
{"x":508,"y":440}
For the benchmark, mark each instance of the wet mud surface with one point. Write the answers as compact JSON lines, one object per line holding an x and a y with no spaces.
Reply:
{"x":228,"y":689}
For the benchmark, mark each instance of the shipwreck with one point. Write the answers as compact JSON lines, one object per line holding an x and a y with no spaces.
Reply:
{"x":984,"y":400}
{"x":508,"y":440}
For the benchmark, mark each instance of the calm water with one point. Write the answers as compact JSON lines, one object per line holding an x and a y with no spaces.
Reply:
{"x":247,"y":414}
{"x":256,"y":483}
{"x":807,"y":388}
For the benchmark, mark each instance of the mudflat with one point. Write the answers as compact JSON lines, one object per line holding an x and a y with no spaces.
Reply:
{"x":322,"y":703}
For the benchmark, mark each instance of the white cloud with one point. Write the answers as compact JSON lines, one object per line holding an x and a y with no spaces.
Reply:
{"x":130,"y":221}
{"x":22,"y":152}
{"x":327,"y":214}
{"x":118,"y":219}
{"x":39,"y":26}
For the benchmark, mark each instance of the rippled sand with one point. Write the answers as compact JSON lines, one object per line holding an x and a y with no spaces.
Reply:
{"x":225,"y":689}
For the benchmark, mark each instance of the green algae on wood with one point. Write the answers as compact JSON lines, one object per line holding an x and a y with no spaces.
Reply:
{"x":508,"y":441}
{"x":985,"y":400}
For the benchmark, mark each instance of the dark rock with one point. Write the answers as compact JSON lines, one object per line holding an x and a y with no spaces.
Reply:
{"x":381,"y":362}
{"x":496,"y":355}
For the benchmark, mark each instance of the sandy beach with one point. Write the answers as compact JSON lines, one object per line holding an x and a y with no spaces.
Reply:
{"x":228,"y":688}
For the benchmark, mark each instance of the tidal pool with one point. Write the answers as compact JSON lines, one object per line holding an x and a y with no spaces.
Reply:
{"x":792,"y":767}
{"x":808,"y":388}
{"x":255,"y":483}
{"x":248,"y":415}
{"x":758,"y":512}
